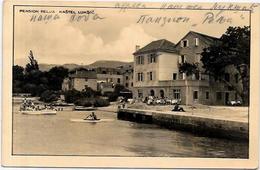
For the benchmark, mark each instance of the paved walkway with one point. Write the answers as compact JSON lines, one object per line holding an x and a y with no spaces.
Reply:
{"x":238,"y":114}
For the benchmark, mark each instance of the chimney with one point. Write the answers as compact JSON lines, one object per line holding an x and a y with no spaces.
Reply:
{"x":137,"y":47}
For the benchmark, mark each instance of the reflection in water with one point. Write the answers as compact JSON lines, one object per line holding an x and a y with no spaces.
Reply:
{"x":56,"y":135}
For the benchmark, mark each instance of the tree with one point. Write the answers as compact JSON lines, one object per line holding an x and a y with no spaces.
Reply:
{"x":33,"y":64}
{"x":188,"y":68}
{"x":49,"y":96}
{"x":233,"y":49}
{"x":56,"y":76}
{"x":18,"y":79}
{"x":18,"y":73}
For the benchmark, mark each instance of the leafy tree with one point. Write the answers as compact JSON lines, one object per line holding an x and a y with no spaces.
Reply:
{"x":31,"y":88}
{"x":89,"y":92}
{"x":118,"y":89}
{"x":188,"y":68}
{"x":18,"y":73}
{"x":55,"y":77}
{"x":18,"y":78}
{"x":49,"y":96}
{"x":72,"y":95}
{"x":233,"y":49}
{"x":33,"y":64}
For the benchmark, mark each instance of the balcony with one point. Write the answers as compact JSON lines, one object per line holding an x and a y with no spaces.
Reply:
{"x":204,"y":83}
{"x":172,"y":83}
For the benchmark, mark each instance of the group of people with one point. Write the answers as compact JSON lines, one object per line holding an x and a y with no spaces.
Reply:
{"x":152,"y":100}
{"x":29,"y":105}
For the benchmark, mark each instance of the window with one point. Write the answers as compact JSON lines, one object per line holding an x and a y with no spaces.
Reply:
{"x":227,"y":77}
{"x":185,"y":43}
{"x":126,"y":84}
{"x":140,"y":60}
{"x":104,"y":72}
{"x":86,"y":79}
{"x":174,"y":76}
{"x":126,"y":77}
{"x":140,"y":93}
{"x":195,"y":95}
{"x":132,"y":84}
{"x":176,"y":93}
{"x":140,"y":77}
{"x":236,"y":78}
{"x":150,"y":75}
{"x":182,"y":59}
{"x":152,"y":58}
{"x":207,"y":95}
{"x":196,"y":42}
{"x":197,"y":58}
{"x":219,"y":95}
{"x":118,"y":80}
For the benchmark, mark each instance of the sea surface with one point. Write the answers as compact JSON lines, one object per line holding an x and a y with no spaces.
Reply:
{"x":57,"y":135}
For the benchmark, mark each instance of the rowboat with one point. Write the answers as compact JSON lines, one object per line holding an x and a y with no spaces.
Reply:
{"x":39,"y":112}
{"x":91,"y":120}
{"x":82,"y":108}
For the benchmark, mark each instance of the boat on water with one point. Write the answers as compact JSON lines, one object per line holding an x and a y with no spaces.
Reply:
{"x":82,"y":108}
{"x":91,"y":120}
{"x":39,"y":112}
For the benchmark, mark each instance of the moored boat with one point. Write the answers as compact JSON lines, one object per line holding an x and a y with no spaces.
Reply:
{"x":39,"y":112}
{"x":82,"y":108}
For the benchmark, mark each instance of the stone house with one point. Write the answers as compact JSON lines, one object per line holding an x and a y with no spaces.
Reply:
{"x":127,"y":72}
{"x":80,"y":80}
{"x":156,"y":72}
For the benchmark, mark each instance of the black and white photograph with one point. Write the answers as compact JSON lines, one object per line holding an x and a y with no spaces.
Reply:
{"x":169,"y":80}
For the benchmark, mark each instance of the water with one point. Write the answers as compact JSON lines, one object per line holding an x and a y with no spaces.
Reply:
{"x":57,"y":135}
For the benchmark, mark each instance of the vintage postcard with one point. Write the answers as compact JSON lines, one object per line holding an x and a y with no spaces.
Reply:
{"x":130,"y":84}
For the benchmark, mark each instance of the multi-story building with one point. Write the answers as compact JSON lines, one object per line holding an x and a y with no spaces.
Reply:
{"x":154,"y":64}
{"x":156,"y":72}
{"x":80,"y":80}
{"x":127,"y":72}
{"x":109,"y":75}
{"x":100,"y":79}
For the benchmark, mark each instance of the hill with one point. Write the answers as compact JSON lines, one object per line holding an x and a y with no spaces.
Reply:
{"x":100,"y":63}
{"x":108,"y":63}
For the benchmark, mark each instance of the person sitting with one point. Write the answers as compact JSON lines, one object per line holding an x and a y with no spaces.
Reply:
{"x":92,"y":116}
{"x":177,"y":108}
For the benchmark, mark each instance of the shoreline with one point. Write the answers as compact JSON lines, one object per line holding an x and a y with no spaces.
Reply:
{"x":184,"y":121}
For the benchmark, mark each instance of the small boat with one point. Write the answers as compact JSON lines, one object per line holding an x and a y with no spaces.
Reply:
{"x":39,"y":112}
{"x":91,"y":120}
{"x":82,"y":108}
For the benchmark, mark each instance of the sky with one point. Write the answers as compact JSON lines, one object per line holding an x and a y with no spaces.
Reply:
{"x":114,"y":37}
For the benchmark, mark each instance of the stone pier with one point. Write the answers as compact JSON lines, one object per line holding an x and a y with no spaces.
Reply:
{"x":201,"y":125}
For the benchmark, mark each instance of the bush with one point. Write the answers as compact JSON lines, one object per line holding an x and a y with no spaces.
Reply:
{"x":72,"y":95}
{"x":112,"y":97}
{"x":84,"y":102}
{"x":101,"y":102}
{"x":49,"y":96}
{"x":88,"y":102}
{"x":89,"y":92}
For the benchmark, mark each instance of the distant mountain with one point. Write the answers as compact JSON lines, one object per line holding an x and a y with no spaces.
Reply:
{"x":100,"y":63}
{"x":108,"y":63}
{"x":46,"y":67}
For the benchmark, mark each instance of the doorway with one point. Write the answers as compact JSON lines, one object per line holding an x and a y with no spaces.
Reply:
{"x":226,"y":98}
{"x":152,"y":93}
{"x":161,"y":93}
